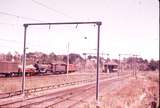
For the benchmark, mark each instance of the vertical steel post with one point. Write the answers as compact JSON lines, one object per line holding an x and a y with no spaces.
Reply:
{"x":67,"y":59}
{"x":24,"y":60}
{"x":136,"y":66}
{"x":107,"y":63}
{"x":119,"y":65}
{"x":102,"y":63}
{"x":97,"y":78}
{"x":84,"y":62}
{"x":133,"y":66}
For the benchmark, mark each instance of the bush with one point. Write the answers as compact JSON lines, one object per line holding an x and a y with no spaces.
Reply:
{"x":153,"y":65}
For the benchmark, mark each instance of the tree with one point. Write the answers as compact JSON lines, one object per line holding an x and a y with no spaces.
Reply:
{"x":65,"y":59}
{"x":153,"y":65}
{"x":17,"y":56}
{"x":89,"y":57}
{"x":52,"y":57}
{"x":44,"y":58}
{"x":130,"y":60}
{"x":116,"y":60}
{"x":9,"y":56}
{"x":72,"y":57}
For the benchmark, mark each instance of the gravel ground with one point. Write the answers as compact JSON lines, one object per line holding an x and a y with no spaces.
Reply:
{"x":15,"y":83}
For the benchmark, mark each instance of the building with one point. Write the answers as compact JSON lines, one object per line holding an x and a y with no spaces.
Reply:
{"x":110,"y":66}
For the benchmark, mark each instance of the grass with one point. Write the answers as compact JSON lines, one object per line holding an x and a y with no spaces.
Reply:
{"x":134,"y":94}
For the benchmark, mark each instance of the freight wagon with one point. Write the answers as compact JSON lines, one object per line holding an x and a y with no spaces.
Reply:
{"x":15,"y":69}
{"x":57,"y":68}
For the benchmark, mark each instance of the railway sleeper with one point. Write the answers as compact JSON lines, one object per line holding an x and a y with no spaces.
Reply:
{"x":2,"y":96}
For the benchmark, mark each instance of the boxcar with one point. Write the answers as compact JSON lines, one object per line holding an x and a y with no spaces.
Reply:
{"x":8,"y":68}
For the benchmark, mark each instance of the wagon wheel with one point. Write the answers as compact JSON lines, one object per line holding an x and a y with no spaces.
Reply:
{"x":12,"y":74}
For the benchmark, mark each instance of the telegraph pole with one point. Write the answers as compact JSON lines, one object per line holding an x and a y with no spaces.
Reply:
{"x":120,"y":65}
{"x":135,"y":65}
{"x":97,"y":81}
{"x":24,"y":60}
{"x":84,"y":61}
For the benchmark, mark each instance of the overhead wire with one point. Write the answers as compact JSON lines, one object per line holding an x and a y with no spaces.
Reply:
{"x":10,"y":45}
{"x":4,"y":23}
{"x":15,"y":41}
{"x":21,"y":17}
{"x":53,"y":10}
{"x":17,"y":16}
{"x":19,"y":42}
{"x":5,"y":46}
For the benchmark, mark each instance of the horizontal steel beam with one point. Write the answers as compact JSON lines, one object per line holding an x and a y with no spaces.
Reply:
{"x":60,"y":23}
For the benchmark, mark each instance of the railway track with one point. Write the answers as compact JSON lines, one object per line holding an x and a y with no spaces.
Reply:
{"x":81,"y":97}
{"x":2,"y":76}
{"x":57,"y":97}
{"x":27,"y":91}
{"x":53,"y":99}
{"x":66,"y":95}
{"x":38,"y":89}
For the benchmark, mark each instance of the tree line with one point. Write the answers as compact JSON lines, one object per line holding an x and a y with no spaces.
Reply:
{"x":32,"y":57}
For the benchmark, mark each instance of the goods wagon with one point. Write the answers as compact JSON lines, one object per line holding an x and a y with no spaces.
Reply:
{"x":29,"y":70}
{"x":60,"y":68}
{"x":8,"y":68}
{"x":72,"y":68}
{"x":14,"y":69}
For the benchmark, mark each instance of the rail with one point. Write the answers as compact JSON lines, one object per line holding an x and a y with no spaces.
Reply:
{"x":11,"y":94}
{"x":39,"y":89}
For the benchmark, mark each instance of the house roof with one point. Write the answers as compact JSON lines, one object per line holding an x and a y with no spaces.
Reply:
{"x":110,"y":63}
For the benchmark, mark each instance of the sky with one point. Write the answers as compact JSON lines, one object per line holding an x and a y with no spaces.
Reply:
{"x":128,"y":26}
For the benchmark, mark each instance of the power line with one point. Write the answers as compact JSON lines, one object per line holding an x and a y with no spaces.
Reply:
{"x":52,"y":9}
{"x":19,"y":42}
{"x":7,"y":23}
{"x":2,"y":46}
{"x":15,"y":41}
{"x":17,"y":16}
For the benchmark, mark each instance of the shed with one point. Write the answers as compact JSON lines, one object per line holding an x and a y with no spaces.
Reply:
{"x":110,"y":66}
